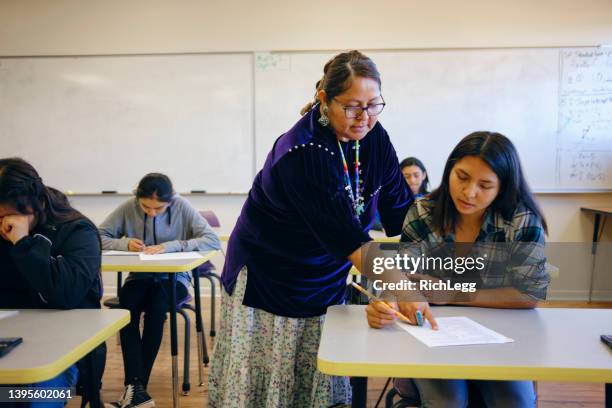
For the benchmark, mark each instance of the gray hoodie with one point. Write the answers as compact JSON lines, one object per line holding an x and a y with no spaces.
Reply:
{"x":180,"y":228}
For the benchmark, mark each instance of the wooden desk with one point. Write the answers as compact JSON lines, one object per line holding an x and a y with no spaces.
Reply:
{"x":598,"y":213}
{"x":53,"y":340}
{"x":550,"y":345}
{"x":132,"y":263}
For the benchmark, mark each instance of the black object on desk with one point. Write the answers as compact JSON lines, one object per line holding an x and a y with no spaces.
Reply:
{"x":9,"y":343}
{"x":607,"y":339}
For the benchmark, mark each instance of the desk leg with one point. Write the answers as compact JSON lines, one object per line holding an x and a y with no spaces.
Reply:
{"x":199,"y":327}
{"x":173,"y":342}
{"x":608,"y":395}
{"x":92,"y":385}
{"x":360,"y":391}
{"x":594,"y":252}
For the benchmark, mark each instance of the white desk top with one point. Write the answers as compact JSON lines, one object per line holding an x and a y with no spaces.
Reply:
{"x":53,"y":340}
{"x":550,"y":345}
{"x":132,"y":263}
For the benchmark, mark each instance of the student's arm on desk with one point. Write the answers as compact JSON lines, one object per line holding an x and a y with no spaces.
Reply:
{"x":408,"y":303}
{"x":112,"y":233}
{"x":529,"y":278}
{"x":500,"y":298}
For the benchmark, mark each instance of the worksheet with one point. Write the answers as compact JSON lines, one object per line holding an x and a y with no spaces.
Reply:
{"x":8,"y":313}
{"x":454,"y":331}
{"x":172,"y":256}
{"x":118,"y":253}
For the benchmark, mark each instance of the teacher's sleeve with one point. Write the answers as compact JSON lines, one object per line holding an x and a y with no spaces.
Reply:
{"x":395,"y":196}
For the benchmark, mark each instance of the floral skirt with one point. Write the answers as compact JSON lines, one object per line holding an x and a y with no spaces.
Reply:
{"x":264,"y":360}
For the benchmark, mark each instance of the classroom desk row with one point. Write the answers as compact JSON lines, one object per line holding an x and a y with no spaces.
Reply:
{"x":54,"y":339}
{"x":542,"y":349}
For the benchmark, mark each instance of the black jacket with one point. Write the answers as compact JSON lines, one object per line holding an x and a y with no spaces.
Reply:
{"x":55,"y":267}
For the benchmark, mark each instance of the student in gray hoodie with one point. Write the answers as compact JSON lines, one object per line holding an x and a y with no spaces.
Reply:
{"x":156,"y":221}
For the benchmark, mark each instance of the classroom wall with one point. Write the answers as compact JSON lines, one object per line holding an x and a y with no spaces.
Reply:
{"x":76,"y":27}
{"x":61,"y":27}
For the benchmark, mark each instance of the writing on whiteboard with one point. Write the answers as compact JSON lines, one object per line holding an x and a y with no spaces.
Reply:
{"x":264,"y":61}
{"x":586,"y":167}
{"x":584,"y":132}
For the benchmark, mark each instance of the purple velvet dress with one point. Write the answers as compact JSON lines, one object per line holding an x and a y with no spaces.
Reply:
{"x":298,"y":225}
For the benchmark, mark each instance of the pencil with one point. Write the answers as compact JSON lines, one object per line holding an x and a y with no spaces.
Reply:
{"x":375,"y":298}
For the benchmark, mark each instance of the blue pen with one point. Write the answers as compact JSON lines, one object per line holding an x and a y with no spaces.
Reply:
{"x":419,"y":316}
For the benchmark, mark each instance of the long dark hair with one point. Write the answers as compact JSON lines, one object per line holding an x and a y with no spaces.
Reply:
{"x":498,"y":152}
{"x":413,"y":161}
{"x":22,"y":189}
{"x":338,"y":73}
{"x":155,"y":185}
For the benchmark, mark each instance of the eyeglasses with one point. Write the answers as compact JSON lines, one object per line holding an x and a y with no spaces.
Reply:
{"x":352,"y":112}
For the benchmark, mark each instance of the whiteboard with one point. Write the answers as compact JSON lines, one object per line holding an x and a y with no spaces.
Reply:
{"x":542,"y":99}
{"x":95,"y":123}
{"x":100,"y":123}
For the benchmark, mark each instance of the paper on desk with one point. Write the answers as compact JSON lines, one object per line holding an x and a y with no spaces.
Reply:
{"x":115,"y":253}
{"x":172,"y":256}
{"x":8,"y":313}
{"x":455,"y":331}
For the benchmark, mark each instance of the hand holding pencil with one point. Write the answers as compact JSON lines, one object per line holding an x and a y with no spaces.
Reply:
{"x":381,"y":313}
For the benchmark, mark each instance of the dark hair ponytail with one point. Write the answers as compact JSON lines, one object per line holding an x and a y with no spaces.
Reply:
{"x":22,"y":188}
{"x":155,"y":185}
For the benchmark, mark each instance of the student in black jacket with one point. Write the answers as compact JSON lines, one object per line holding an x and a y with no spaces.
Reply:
{"x":49,"y":252}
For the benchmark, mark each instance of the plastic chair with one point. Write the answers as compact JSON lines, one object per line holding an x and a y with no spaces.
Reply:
{"x":181,"y":305}
{"x":113,"y":303}
{"x":207,"y":270}
{"x":408,"y":394}
{"x":211,"y":217}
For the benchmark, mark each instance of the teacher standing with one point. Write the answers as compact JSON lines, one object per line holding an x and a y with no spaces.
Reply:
{"x":304,"y":222}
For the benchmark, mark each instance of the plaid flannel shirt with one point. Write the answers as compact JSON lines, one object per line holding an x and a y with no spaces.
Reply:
{"x":513,"y":249}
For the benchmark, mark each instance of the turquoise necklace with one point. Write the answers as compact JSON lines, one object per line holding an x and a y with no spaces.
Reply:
{"x":356,"y":198}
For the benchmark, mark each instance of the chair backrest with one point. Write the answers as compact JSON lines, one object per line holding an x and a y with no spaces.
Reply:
{"x":211,"y":217}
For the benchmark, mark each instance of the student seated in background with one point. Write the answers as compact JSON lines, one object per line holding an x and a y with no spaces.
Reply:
{"x":49,"y":253}
{"x":155,"y":221}
{"x":484,"y":202}
{"x":415,"y":175}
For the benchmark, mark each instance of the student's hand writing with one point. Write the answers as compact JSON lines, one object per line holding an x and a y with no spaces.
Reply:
{"x":441,"y":296}
{"x":154,"y":249}
{"x":409,"y":310}
{"x":15,"y":227}
{"x":436,"y":297}
{"x":135,"y":245}
{"x":380,"y":314}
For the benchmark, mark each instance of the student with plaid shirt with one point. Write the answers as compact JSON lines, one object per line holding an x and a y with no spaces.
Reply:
{"x":483,"y":206}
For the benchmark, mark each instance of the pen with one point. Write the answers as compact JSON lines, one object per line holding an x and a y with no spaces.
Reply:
{"x":375,"y":298}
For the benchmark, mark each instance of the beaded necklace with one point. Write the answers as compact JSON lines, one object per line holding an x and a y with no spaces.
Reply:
{"x":356,"y":198}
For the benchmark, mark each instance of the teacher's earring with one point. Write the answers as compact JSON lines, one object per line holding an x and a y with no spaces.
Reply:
{"x":324,"y":120}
